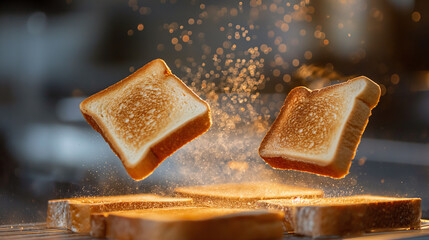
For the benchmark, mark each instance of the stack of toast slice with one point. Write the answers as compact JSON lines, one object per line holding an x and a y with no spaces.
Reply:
{"x":310,"y":215}
{"x":149,"y":115}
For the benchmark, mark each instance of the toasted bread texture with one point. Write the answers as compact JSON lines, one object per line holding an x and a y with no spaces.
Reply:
{"x":74,"y":213}
{"x":195,"y":223}
{"x":146,"y":117}
{"x":346,"y":215}
{"x":238,"y":195}
{"x":98,"y":224}
{"x":319,"y":131}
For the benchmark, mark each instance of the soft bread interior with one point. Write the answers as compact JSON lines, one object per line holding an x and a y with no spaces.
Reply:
{"x":314,"y":122}
{"x":146,"y":110}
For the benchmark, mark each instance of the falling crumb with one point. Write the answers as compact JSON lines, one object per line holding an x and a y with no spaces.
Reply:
{"x":295,"y":62}
{"x":160,"y":47}
{"x":240,"y":166}
{"x":362,"y":161}
{"x":308,"y":55}
{"x":140,"y":27}
{"x":185,"y":38}
{"x":394,"y":79}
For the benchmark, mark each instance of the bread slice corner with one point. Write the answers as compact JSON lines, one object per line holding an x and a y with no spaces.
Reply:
{"x":318,"y":131}
{"x":146,"y":117}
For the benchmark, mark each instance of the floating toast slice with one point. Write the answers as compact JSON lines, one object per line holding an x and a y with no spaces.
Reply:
{"x":318,"y":131}
{"x":195,"y":223}
{"x":146,"y":117}
{"x":236,"y":195}
{"x":346,"y":215}
{"x":74,"y":213}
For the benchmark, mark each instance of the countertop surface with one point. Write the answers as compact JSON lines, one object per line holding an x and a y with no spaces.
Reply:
{"x":40,"y":231}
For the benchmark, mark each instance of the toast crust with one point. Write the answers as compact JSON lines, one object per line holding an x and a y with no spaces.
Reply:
{"x":355,"y":124}
{"x":162,"y":148}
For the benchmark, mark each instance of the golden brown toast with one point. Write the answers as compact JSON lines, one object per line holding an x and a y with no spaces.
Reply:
{"x":146,"y":117}
{"x":346,"y":215}
{"x":195,"y":223}
{"x":236,"y":195}
{"x":319,"y":131}
{"x":74,"y":213}
{"x":98,"y":224}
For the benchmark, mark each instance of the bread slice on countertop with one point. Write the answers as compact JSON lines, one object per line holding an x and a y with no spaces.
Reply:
{"x":346,"y":215}
{"x":237,"y":195}
{"x":318,"y":131}
{"x":195,"y":223}
{"x":74,"y":213}
{"x":146,"y":117}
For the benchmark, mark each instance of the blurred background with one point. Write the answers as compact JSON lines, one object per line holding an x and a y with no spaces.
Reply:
{"x":241,"y":56}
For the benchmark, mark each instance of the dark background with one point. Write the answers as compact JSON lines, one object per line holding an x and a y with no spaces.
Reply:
{"x":53,"y":54}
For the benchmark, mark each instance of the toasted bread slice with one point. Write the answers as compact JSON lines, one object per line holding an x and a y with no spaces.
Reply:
{"x":346,"y":215}
{"x":98,"y":223}
{"x":74,"y":213}
{"x":146,"y":117}
{"x":195,"y":223}
{"x":238,"y":195}
{"x":319,"y":131}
